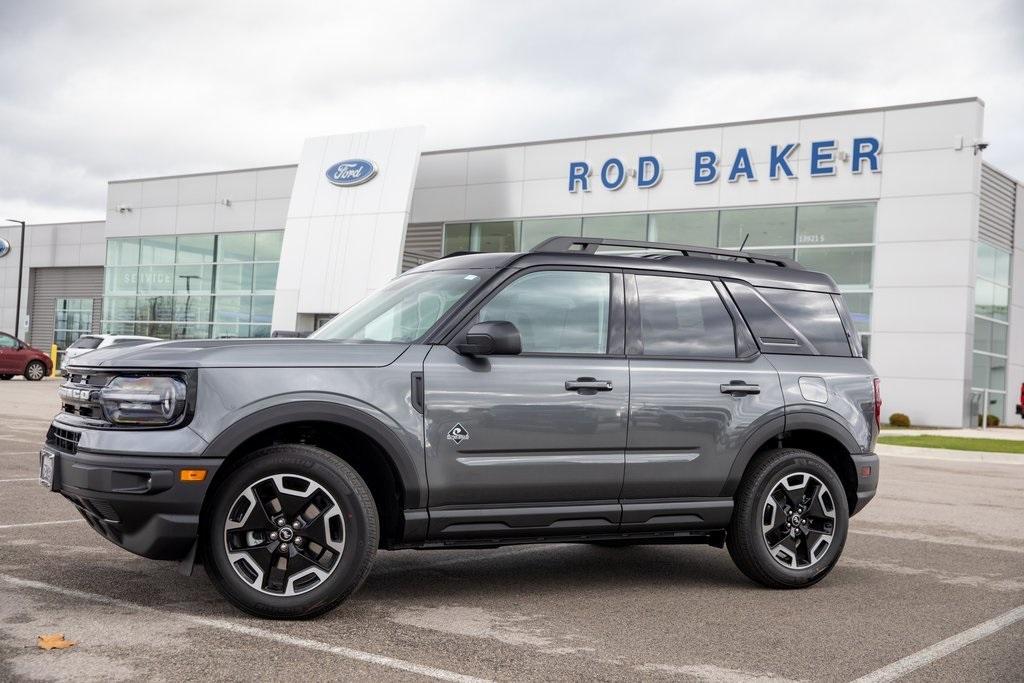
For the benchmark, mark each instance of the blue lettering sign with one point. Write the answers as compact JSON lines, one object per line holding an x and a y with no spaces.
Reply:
{"x":705,"y":167}
{"x":779,"y":160}
{"x":610,"y":182}
{"x":649,"y":172}
{"x":741,"y":166}
{"x":579,"y":172}
{"x":865,"y":149}
{"x":823,"y":157}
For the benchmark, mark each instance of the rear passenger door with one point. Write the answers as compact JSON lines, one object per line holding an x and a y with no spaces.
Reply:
{"x":698,"y":387}
{"x":8,"y":354}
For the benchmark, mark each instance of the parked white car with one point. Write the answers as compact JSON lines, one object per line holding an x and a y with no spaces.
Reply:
{"x":91,"y":342}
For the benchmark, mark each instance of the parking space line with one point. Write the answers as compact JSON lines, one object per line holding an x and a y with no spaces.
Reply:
{"x":256,"y":632}
{"x":928,"y":538}
{"x":26,"y":524}
{"x":945,"y":647}
{"x":21,"y":453}
{"x":7,"y":481}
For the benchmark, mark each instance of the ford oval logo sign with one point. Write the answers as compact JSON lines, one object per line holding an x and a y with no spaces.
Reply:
{"x":5,"y":247}
{"x":351,"y":172}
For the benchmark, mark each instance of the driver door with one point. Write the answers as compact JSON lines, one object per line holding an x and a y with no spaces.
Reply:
{"x":8,"y":355}
{"x":523,"y":444}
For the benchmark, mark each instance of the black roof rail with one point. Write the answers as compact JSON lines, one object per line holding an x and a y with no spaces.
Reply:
{"x":589,"y":245}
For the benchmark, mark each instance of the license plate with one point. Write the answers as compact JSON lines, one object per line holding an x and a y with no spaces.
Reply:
{"x":47,"y":466}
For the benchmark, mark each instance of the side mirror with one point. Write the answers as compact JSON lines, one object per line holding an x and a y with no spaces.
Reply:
{"x":492,"y":338}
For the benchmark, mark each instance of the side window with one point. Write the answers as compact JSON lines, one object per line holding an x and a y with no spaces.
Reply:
{"x":556,"y":311}
{"x":8,"y":342}
{"x":815,"y":315}
{"x":681,"y":317}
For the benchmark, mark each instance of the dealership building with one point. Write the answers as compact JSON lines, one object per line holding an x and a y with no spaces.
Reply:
{"x":895,"y":203}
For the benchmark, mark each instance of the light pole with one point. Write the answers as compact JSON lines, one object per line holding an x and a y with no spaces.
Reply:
{"x":21,"y":267}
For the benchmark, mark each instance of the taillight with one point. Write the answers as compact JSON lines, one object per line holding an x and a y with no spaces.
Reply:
{"x":878,"y":402}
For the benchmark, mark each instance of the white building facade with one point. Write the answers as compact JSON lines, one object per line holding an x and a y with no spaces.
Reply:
{"x":895,"y":203}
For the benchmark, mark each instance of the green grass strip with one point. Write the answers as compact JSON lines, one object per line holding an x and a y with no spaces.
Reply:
{"x":955,"y":443}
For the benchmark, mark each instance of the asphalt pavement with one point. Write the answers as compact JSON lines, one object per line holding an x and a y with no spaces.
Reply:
{"x":930,"y":587}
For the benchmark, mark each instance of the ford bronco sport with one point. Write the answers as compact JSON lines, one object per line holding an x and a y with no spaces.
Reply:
{"x":654,"y":394}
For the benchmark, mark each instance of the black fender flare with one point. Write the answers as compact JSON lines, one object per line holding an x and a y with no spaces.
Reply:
{"x":811,"y":421}
{"x":402,"y":462}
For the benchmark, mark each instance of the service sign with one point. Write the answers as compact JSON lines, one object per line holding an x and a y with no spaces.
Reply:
{"x":351,"y":172}
{"x":5,"y":247}
{"x":824,"y":159}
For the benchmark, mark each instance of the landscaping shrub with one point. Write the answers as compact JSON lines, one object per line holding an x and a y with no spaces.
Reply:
{"x":899,"y":420}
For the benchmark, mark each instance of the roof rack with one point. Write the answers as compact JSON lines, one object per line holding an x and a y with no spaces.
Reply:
{"x":589,"y":245}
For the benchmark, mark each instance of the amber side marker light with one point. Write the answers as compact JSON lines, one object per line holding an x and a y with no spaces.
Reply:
{"x":192,"y":475}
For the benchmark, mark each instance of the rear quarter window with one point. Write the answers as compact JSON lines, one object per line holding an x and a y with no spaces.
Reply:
{"x":86,"y":343}
{"x":815,"y":315}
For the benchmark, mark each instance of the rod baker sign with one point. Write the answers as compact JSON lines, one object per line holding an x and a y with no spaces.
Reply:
{"x":823,"y":159}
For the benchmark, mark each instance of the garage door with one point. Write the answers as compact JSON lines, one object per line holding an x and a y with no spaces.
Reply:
{"x":47,"y":285}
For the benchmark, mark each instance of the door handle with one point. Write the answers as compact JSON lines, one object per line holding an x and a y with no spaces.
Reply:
{"x":588,"y":384}
{"x":738,"y":387}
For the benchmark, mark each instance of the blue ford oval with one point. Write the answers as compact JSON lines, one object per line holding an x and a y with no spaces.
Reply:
{"x":5,"y":247}
{"x":351,"y":172}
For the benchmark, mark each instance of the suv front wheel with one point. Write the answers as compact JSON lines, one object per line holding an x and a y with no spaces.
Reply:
{"x":790,"y":520}
{"x":291,"y":533}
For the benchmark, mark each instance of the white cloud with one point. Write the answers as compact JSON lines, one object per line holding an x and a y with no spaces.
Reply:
{"x":97,"y":91}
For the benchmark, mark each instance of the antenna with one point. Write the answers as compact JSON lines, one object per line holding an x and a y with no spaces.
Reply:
{"x":743,"y":244}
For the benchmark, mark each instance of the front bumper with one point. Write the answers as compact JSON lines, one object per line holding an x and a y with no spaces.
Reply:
{"x":137,"y":502}
{"x":866,"y":465}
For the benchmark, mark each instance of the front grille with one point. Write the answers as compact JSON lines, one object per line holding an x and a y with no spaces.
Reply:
{"x":79,"y":395}
{"x":64,"y":439}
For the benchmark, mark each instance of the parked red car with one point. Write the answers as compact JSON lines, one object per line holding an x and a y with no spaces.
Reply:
{"x":18,"y":358}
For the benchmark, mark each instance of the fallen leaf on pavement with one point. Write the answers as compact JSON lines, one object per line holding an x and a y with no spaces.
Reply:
{"x":53,"y":641}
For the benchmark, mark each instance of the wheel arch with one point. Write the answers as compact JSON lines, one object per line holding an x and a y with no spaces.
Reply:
{"x":813,"y":432}
{"x":362,"y":440}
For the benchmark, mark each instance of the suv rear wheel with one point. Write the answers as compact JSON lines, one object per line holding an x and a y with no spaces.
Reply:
{"x":790,"y":521}
{"x":292,"y":532}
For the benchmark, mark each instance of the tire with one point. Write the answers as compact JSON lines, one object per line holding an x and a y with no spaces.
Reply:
{"x":6,"y":377}
{"x":797,"y":557}
{"x":340,"y":528}
{"x":35,"y":371}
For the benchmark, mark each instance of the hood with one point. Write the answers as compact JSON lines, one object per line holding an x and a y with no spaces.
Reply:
{"x":243,"y":353}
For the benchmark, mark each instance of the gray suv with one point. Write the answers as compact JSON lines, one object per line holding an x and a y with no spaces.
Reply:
{"x":589,"y":391}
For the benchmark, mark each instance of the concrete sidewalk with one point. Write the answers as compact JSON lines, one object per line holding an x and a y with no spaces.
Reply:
{"x":1011,"y":434}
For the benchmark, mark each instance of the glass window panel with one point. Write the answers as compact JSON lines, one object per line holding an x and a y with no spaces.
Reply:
{"x":698,"y":228}
{"x":456,"y":237}
{"x":155,"y":308}
{"x":191,"y":331}
{"x":497,"y":236}
{"x":122,"y":280}
{"x":848,"y":266}
{"x":156,"y":279}
{"x":1000,"y":303}
{"x":996,"y":405}
{"x":865,"y":345}
{"x":536,"y":231}
{"x":262,"y":309}
{"x":234,"y":278}
{"x":785,"y":253}
{"x":151,"y":329}
{"x":119,"y":308}
{"x":232,"y":309}
{"x":815,"y":315}
{"x":835,"y":224}
{"x":259,"y":331}
{"x":984,"y":294}
{"x":859,"y":304}
{"x":264,"y":277}
{"x":193,"y":279}
{"x":123,"y":252}
{"x":193,"y":309}
{"x":235,"y":246}
{"x":982,"y":335}
{"x":980,"y":371}
{"x":999,"y":334}
{"x":997,"y":373}
{"x":119,"y":328}
{"x":230,"y":331}
{"x":195,"y":248}
{"x":986,"y":261}
{"x":680,"y":317}
{"x":628,"y":227}
{"x":268,"y":245}
{"x":774,"y":226}
{"x":556,"y":311}
{"x":157,"y":250}
{"x":1001,"y":267}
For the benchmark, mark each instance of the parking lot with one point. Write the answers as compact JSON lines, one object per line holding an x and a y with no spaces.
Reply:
{"x":931,"y":586}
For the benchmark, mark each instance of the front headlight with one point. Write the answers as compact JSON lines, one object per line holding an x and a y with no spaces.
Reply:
{"x":148,"y":401}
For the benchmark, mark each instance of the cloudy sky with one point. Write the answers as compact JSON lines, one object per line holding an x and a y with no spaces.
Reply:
{"x":94,"y":91}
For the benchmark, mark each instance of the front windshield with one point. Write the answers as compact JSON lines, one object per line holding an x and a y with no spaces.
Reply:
{"x":403,"y":310}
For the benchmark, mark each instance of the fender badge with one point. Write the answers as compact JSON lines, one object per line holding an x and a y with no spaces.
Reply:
{"x":458,"y":434}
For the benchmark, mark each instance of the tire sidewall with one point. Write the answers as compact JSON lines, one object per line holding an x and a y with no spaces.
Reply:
{"x":28,"y":371}
{"x":328,"y":471}
{"x":801,"y":462}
